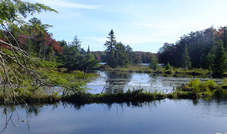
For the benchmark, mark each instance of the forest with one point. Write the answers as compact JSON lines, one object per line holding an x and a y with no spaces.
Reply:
{"x":200,"y":49}
{"x":137,"y":56}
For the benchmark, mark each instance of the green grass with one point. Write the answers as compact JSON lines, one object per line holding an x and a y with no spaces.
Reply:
{"x":130,"y":95}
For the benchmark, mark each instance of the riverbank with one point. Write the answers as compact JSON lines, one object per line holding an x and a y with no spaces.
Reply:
{"x":137,"y":96}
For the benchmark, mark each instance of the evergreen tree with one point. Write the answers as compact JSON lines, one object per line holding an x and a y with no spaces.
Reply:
{"x":110,"y":51}
{"x":70,"y":57}
{"x":218,"y":59}
{"x":185,"y":59}
{"x":88,"y":50}
{"x":120,"y":55}
{"x":224,"y":37}
{"x":77,"y":42}
{"x":130,"y":54}
{"x":86,"y":62}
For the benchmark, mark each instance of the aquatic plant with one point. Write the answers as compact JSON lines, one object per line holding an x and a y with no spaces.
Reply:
{"x":195,"y":84}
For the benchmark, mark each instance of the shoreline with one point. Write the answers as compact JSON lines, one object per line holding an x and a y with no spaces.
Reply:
{"x":130,"y":96}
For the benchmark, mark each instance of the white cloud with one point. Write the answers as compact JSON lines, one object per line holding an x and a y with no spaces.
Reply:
{"x":65,"y":4}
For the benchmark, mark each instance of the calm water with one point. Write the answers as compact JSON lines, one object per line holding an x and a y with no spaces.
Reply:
{"x":157,"y":117}
{"x":110,"y":81}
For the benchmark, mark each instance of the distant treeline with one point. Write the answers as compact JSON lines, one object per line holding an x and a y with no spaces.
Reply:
{"x":138,"y":56}
{"x":200,"y":49}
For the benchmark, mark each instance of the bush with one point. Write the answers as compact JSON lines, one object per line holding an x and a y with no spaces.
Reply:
{"x":199,"y":86}
{"x":195,"y":84}
{"x":168,"y":66}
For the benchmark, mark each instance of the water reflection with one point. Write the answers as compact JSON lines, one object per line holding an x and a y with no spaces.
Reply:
{"x":160,"y":116}
{"x":116,"y":81}
{"x":111,"y":81}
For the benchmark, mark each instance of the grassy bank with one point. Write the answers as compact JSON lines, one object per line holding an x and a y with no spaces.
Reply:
{"x":160,"y":70}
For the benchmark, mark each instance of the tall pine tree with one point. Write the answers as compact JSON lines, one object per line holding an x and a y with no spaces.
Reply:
{"x":110,"y":51}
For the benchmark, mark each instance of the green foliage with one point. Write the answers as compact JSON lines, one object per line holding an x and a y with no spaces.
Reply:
{"x":199,"y":46}
{"x":110,"y":51}
{"x":168,"y":66}
{"x":117,"y":54}
{"x":195,"y":84}
{"x":74,"y":87}
{"x":218,"y":58}
{"x":120,"y":55}
{"x":70,"y":82}
{"x":154,"y":62}
{"x":207,"y":85}
{"x":185,"y":59}
{"x":48,"y":64}
{"x":225,"y":81}
{"x":198,"y":86}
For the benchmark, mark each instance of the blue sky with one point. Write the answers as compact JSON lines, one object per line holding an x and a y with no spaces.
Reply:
{"x":143,"y":24}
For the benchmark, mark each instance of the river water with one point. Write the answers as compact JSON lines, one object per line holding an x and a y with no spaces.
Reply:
{"x":167,"y":116}
{"x":156,"y":117}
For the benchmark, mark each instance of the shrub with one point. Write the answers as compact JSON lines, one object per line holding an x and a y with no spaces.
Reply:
{"x":195,"y":84}
{"x":168,"y":66}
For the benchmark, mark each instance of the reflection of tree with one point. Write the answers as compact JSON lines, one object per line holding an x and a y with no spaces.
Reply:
{"x":14,"y":110}
{"x":9,"y":111}
{"x":116,"y":81}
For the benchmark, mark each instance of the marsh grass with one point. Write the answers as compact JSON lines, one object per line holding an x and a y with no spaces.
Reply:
{"x":32,"y":99}
{"x":129,"y":95}
{"x":161,"y":70}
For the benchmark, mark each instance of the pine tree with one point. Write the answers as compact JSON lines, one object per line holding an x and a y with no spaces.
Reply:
{"x":185,"y":59}
{"x":120,"y":55}
{"x":88,"y":50}
{"x":77,"y":42}
{"x":110,"y":51}
{"x":219,"y":62}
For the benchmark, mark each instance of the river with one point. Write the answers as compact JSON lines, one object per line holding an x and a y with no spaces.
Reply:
{"x":156,"y":117}
{"x":167,"y":116}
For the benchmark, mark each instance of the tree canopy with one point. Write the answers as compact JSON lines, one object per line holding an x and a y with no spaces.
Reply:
{"x":198,"y":50}
{"x":14,"y":60}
